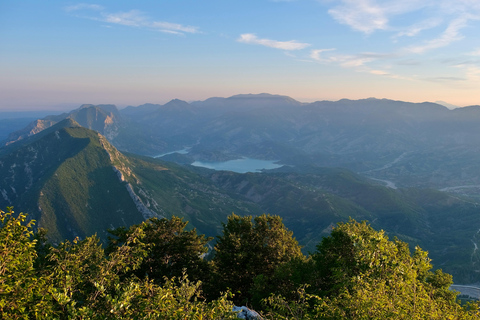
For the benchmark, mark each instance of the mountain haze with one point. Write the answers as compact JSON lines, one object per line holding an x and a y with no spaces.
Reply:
{"x":75,"y":182}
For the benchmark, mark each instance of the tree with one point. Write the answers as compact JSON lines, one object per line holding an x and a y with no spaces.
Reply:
{"x":247,"y":249}
{"x":76,"y":280}
{"x":170,"y":249}
{"x":364,"y":275}
{"x":20,"y":288}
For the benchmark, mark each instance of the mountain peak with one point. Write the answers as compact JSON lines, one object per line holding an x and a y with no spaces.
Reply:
{"x":176,"y":103}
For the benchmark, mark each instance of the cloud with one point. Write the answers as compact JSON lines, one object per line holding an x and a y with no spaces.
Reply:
{"x":82,"y":6}
{"x":361,"y":15}
{"x":173,"y":27}
{"x":379,"y":72}
{"x":316,"y":54}
{"x":251,"y":38}
{"x":368,"y":16}
{"x":348,"y":61}
{"x":132,"y":18}
{"x":416,"y":28}
{"x":451,"y":34}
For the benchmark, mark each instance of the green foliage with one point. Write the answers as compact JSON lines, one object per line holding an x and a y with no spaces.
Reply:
{"x":170,"y":249}
{"x":356,"y":273}
{"x":248,"y":249}
{"x":363,"y":275}
{"x":18,"y":283}
{"x":76,"y":280}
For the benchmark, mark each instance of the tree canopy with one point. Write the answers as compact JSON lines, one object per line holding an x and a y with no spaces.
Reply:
{"x":170,"y":249}
{"x":355,"y":273}
{"x":249,"y":248}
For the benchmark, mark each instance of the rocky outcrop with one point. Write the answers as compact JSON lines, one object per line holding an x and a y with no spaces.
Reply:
{"x":246,"y":313}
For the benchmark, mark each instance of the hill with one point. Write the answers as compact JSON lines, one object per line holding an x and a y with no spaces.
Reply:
{"x":75,"y":183}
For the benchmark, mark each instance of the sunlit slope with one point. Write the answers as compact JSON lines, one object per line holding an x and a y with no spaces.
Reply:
{"x":64,"y":178}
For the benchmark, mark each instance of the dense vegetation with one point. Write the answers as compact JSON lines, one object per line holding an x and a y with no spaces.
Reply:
{"x":158,"y":270}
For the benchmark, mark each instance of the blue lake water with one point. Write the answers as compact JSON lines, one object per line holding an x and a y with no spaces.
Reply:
{"x":239,"y":165}
{"x":183,"y":151}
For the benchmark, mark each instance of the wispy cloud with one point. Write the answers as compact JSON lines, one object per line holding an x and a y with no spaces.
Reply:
{"x":82,"y":6}
{"x":251,"y":38}
{"x":348,"y":61}
{"x":317,"y":54}
{"x":451,"y":34}
{"x":361,"y":15}
{"x":132,"y":18}
{"x":369,"y":16}
{"x":418,"y":27}
{"x":358,"y":62}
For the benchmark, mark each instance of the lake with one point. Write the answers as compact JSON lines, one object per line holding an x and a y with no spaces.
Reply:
{"x":242,"y":165}
{"x":183,"y":151}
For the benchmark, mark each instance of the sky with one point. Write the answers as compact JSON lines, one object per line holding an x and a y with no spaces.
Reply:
{"x":61,"y":54}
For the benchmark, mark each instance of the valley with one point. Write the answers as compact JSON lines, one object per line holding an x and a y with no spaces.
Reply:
{"x":409,"y":169}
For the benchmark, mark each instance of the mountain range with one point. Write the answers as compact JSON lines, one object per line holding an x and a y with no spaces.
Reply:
{"x":67,"y":172}
{"x":409,"y":144}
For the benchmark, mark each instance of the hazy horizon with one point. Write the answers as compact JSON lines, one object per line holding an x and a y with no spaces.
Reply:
{"x":57,"y":55}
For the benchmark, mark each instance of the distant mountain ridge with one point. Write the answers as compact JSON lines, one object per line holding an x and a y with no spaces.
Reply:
{"x":410,"y":144}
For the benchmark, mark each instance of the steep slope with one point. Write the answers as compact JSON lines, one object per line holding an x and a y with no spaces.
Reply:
{"x":75,"y":183}
{"x":65,"y":178}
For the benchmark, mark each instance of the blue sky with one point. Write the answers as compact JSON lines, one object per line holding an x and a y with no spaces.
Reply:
{"x":60,"y":54}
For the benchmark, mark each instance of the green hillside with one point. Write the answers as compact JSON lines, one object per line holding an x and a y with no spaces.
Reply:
{"x":74,"y":183}
{"x":64,"y":178}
